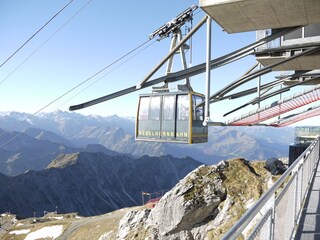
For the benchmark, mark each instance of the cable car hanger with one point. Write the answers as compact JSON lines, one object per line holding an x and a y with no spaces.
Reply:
{"x":174,"y":27}
{"x":171,"y":116}
{"x":191,"y":71}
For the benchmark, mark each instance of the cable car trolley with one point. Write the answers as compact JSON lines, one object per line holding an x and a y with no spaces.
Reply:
{"x":171,"y":117}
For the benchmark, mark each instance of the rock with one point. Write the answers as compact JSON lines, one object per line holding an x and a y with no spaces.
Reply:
{"x":189,"y":203}
{"x":275,"y":166}
{"x":7,"y":221}
{"x":132,"y":222}
{"x":222,"y":216}
{"x":203,"y":205}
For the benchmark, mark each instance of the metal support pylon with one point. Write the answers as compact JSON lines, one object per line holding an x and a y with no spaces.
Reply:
{"x":176,"y":38}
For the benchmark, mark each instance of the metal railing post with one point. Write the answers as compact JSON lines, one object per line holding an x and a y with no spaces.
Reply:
{"x":208,"y":76}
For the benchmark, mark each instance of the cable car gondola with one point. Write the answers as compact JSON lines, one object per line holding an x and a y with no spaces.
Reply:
{"x":171,"y":117}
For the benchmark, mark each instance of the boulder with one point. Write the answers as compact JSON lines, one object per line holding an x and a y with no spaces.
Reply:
{"x":131,"y":223}
{"x":275,"y":166}
{"x":189,"y":203}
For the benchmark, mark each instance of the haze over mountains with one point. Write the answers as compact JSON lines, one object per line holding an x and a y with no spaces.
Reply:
{"x":93,"y":165}
{"x":49,"y":134}
{"x":90,"y":183}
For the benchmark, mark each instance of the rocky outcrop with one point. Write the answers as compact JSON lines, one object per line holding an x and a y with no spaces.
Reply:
{"x":275,"y":166}
{"x":203,"y":205}
{"x":191,"y":202}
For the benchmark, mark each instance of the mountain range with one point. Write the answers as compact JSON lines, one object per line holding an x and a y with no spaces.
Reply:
{"x":93,"y":165}
{"x":43,"y":137}
{"x":90,"y":183}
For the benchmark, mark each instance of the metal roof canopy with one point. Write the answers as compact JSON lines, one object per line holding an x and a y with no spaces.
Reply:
{"x":250,"y":15}
{"x":257,"y":73}
{"x":278,"y":107}
{"x":311,"y":61}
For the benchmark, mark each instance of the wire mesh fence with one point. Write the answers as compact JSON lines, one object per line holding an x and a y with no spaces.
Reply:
{"x":276,"y":215}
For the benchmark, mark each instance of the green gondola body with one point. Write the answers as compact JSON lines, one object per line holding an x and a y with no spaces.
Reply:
{"x":171,"y":117}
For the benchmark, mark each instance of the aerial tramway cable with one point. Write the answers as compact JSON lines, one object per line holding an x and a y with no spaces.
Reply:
{"x":64,"y":94}
{"x":94,"y":82}
{"x":27,"y":58}
{"x":29,"y":39}
{"x":86,"y":80}
{"x":189,"y":72}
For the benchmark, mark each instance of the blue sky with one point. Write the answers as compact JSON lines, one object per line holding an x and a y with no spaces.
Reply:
{"x":94,"y":38}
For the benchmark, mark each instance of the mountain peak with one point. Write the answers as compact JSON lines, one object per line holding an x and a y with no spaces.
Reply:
{"x":64,"y":160}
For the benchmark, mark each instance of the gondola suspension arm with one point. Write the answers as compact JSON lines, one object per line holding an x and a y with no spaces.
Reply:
{"x":189,"y":72}
{"x":172,"y":52}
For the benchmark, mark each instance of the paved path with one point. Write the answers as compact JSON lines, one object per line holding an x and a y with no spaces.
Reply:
{"x":309,"y":227}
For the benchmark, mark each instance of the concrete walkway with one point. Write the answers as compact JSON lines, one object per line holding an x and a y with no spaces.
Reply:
{"x":309,"y":227}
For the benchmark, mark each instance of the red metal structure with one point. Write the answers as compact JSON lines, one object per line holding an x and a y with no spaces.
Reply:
{"x":282,"y":106}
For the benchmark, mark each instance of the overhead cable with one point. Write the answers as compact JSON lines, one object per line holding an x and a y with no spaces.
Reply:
{"x":26,"y":59}
{"x":61,"y":96}
{"x":189,"y":72}
{"x":54,"y":16}
{"x":94,"y":82}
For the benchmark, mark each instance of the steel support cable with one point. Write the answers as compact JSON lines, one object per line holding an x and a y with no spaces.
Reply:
{"x":285,"y":89}
{"x":297,"y":100}
{"x":265,"y":86}
{"x":293,"y":118}
{"x":64,"y":94}
{"x":260,"y":72}
{"x":29,"y":39}
{"x":91,"y":84}
{"x":229,"y":97}
{"x":262,"y":98}
{"x":189,"y":72}
{"x":52,"y":35}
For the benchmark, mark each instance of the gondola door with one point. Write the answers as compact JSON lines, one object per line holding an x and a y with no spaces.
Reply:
{"x":142,"y":127}
{"x":155,"y":117}
{"x":183,"y":118}
{"x":199,"y":132}
{"x":168,"y":117}
{"x":149,"y":118}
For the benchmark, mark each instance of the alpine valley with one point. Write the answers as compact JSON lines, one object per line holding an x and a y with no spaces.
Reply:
{"x":68,"y":163}
{"x":37,"y":141}
{"x":91,"y":165}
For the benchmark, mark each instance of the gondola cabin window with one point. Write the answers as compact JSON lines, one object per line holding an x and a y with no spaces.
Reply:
{"x":168,"y":108}
{"x":155,"y":107}
{"x":198,"y":112}
{"x":144,"y":108}
{"x":171,"y":117}
{"x":183,"y":107}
